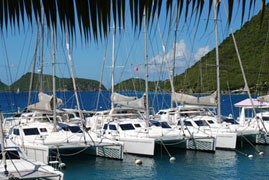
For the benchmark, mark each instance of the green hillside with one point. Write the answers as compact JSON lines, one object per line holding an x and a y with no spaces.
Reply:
{"x":62,"y":84}
{"x":254,"y":52}
{"x":201,"y":77}
{"x":136,"y":84}
{"x":3,"y":87}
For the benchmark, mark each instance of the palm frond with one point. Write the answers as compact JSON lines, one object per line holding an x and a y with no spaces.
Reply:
{"x":93,"y":17}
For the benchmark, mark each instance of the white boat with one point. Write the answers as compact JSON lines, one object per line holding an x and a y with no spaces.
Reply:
{"x":15,"y":165}
{"x":260,"y":121}
{"x":196,"y":122}
{"x":37,"y":136}
{"x":125,"y":123}
{"x":19,"y":166}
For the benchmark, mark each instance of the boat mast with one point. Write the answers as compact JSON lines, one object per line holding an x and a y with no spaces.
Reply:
{"x":174,"y":58}
{"x":146,"y":69}
{"x":33,"y":66}
{"x":42,"y":50}
{"x":216,"y":2}
{"x":53,"y":78}
{"x":3,"y":143}
{"x":73,"y":76}
{"x":113,"y":64}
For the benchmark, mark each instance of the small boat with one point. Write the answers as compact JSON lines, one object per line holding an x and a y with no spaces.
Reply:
{"x":15,"y":165}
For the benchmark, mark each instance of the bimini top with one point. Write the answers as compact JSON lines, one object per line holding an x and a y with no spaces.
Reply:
{"x":246,"y":103}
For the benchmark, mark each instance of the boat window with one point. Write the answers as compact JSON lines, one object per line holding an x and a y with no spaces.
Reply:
{"x":201,"y":123}
{"x":43,"y":130}
{"x":210,"y":122}
{"x":105,"y":127}
{"x":165,"y":125}
{"x":125,"y":127}
{"x":11,"y":154}
{"x":112,"y":127}
{"x":65,"y":128}
{"x":162,"y":112}
{"x":186,"y":123}
{"x":16,"y":131}
{"x":228,"y":120}
{"x":154,"y":123}
{"x":75,"y":129}
{"x":137,"y":125}
{"x":31,"y":131}
{"x":17,"y":115}
{"x":71,"y":116}
{"x":265,"y":118}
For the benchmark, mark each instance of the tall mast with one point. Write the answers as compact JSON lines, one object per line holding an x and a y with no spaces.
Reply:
{"x":53,"y":78}
{"x":113,"y":63}
{"x":33,"y":67}
{"x":174,"y":58}
{"x":42,"y":50}
{"x":146,"y":70}
{"x":73,"y":76}
{"x":217,"y":58}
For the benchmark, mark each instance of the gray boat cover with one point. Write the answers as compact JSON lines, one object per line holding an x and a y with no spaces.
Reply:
{"x":128,"y":101}
{"x":263,"y":98}
{"x":182,"y":98}
{"x":45,"y":103}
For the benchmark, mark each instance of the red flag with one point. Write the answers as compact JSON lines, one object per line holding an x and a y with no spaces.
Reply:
{"x":137,"y":69}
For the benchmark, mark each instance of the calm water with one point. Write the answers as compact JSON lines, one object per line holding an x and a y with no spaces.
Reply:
{"x":188,"y":164}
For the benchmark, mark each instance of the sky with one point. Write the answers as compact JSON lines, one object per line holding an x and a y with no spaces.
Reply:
{"x":17,"y":49}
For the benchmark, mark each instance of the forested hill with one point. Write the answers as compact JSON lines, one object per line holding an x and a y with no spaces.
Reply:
{"x":62,"y":84}
{"x":253,"y":44}
{"x":3,"y":86}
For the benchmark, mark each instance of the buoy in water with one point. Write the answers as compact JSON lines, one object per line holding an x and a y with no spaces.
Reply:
{"x":138,"y":162}
{"x":250,"y":156}
{"x":172,"y":159}
{"x":62,"y":166}
{"x":261,"y":153}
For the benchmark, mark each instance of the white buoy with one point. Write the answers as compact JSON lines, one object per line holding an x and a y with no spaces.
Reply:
{"x":250,"y":156}
{"x":261,"y":153}
{"x":172,"y":159}
{"x":62,"y":166}
{"x":138,"y":162}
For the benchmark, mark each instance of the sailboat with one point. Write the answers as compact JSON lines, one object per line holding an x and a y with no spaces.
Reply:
{"x":15,"y":165}
{"x":197,"y":140}
{"x":130,"y":119}
{"x":117,"y":123}
{"x":44,"y":132}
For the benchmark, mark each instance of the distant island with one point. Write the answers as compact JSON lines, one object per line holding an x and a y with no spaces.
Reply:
{"x":62,"y":84}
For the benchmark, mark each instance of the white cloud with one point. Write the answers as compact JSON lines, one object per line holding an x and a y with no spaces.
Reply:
{"x":183,"y":57}
{"x":201,"y":52}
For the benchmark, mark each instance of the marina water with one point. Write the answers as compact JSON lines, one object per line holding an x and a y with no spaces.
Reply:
{"x":188,"y":165}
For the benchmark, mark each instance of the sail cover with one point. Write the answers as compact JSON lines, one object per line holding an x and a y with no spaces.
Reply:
{"x":264,"y":98}
{"x":128,"y":101}
{"x":182,"y":98}
{"x":45,"y":103}
{"x":116,"y":97}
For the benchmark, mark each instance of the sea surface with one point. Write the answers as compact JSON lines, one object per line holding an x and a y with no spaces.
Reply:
{"x":188,"y":165}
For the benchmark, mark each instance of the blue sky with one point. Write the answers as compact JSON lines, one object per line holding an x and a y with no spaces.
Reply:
{"x":17,"y":49}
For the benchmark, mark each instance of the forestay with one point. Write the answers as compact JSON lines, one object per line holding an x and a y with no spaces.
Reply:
{"x":182,"y":98}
